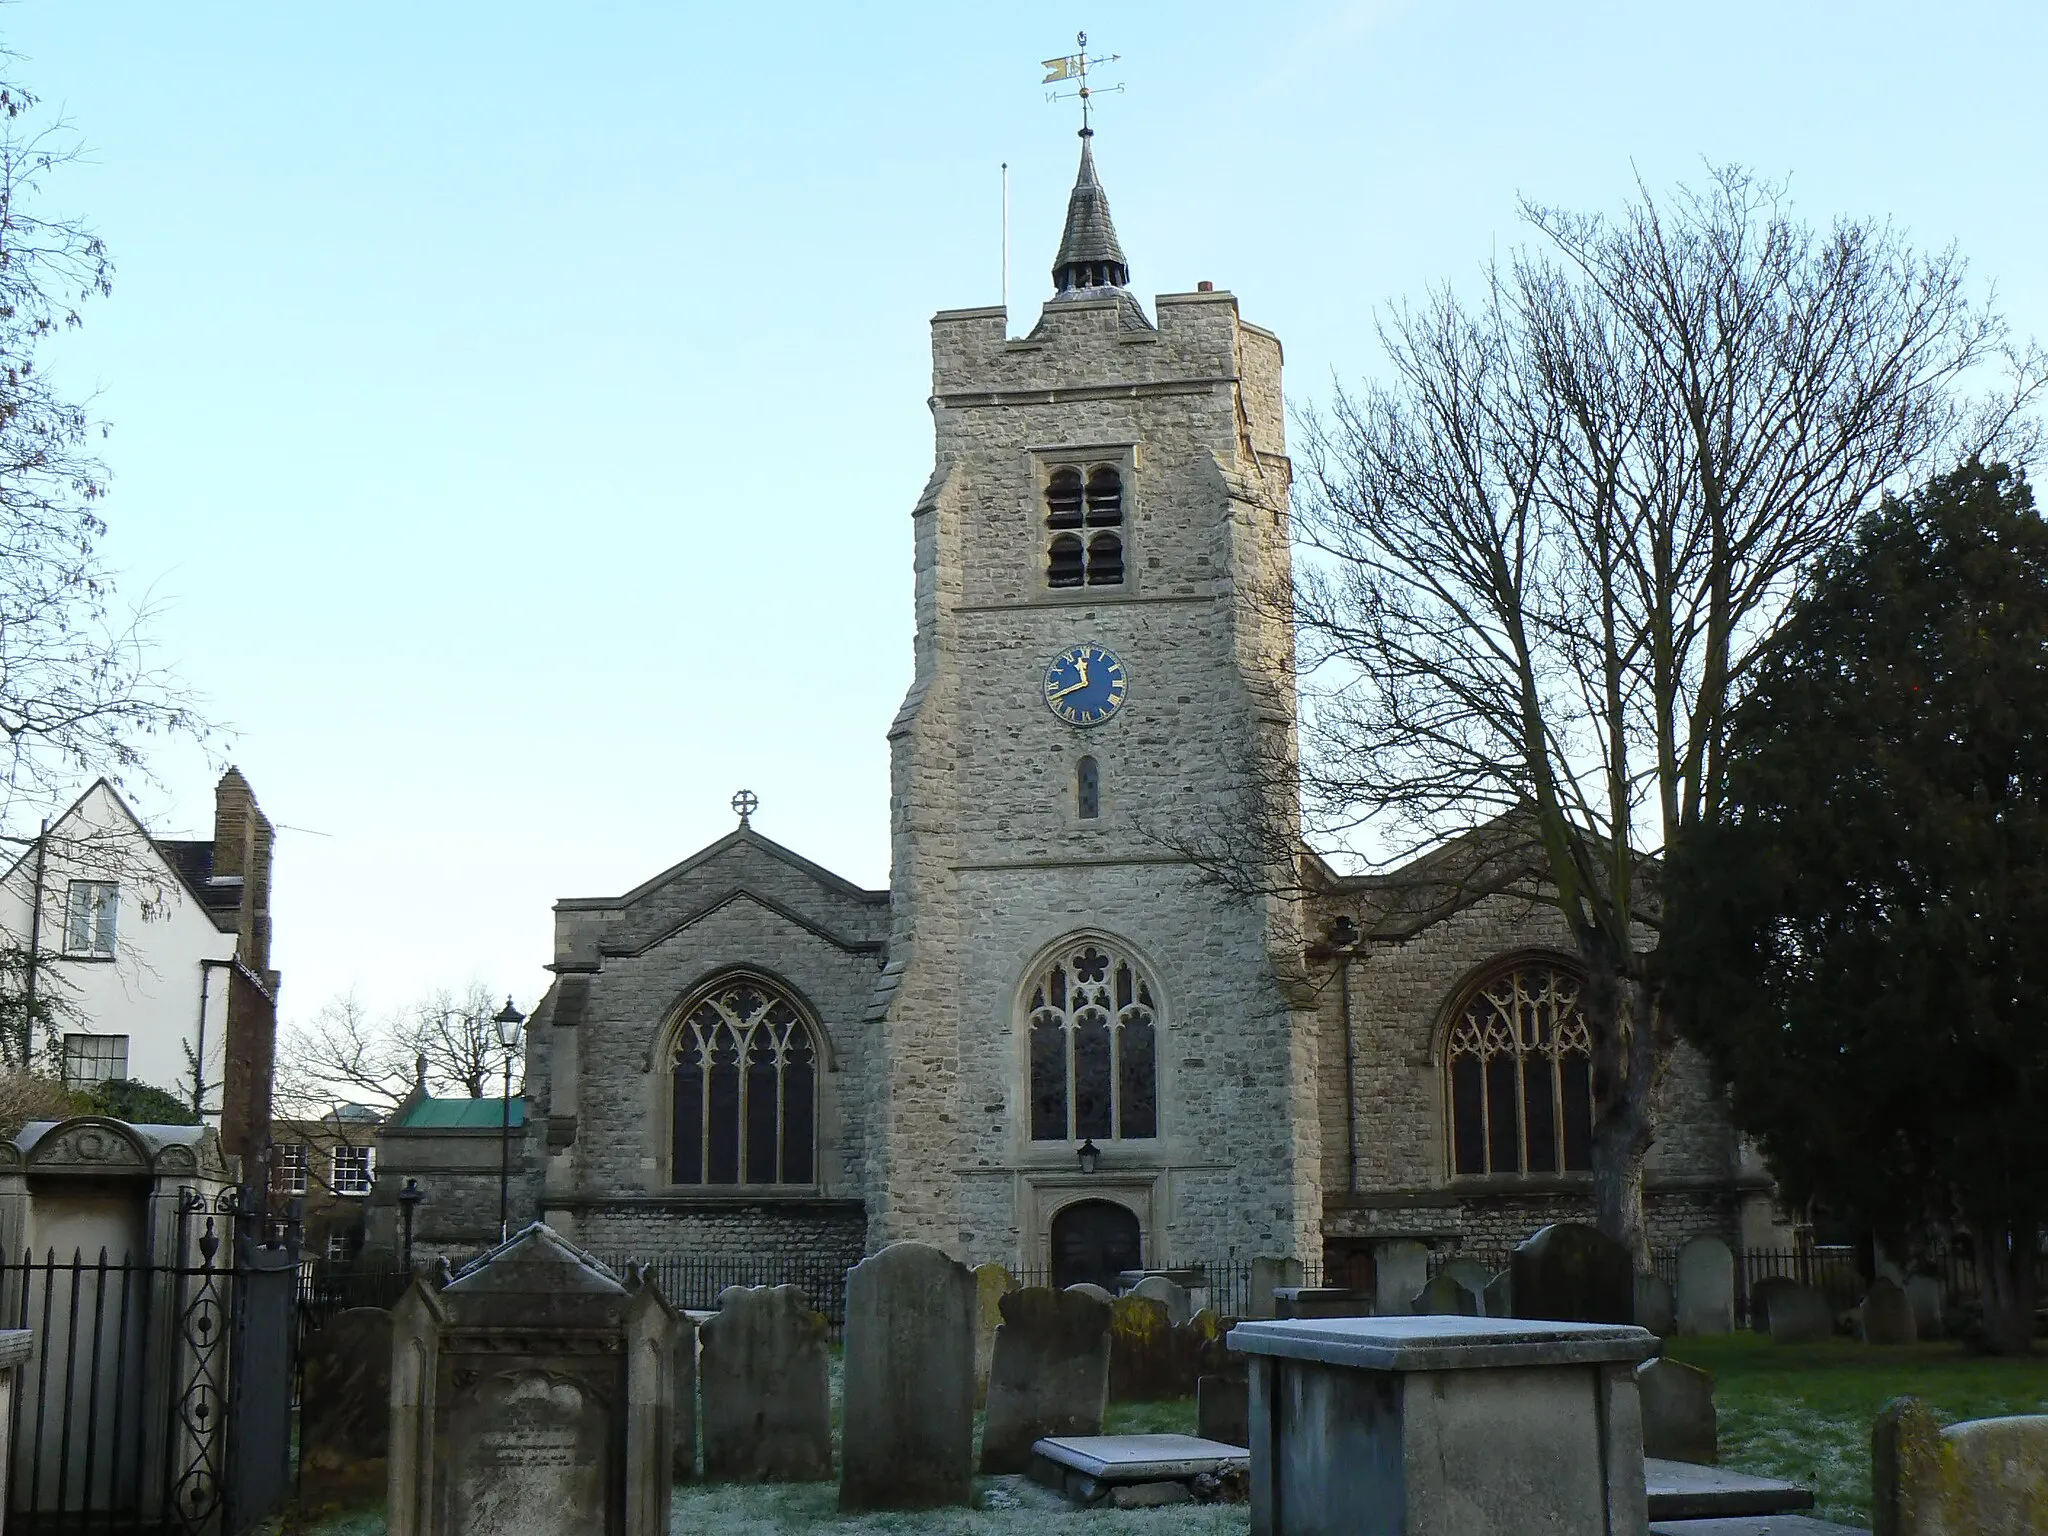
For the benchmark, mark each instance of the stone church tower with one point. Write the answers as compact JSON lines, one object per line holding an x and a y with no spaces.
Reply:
{"x":1097,"y":662}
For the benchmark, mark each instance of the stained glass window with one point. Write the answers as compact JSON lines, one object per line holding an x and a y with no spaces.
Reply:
{"x":745,"y":1097}
{"x":1094,"y":1066}
{"x":1520,"y":1069}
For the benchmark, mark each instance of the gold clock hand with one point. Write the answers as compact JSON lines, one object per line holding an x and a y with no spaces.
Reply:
{"x":1073,"y":688}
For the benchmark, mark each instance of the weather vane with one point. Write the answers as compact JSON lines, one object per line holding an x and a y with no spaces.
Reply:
{"x":1075,"y":67}
{"x":745,"y":803}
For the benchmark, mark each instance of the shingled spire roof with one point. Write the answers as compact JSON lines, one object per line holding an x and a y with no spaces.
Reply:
{"x":1089,"y":254}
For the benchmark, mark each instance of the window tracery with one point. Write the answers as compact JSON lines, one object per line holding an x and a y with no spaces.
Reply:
{"x":1519,"y":1064}
{"x":1094,"y":1048}
{"x":745,"y":1089}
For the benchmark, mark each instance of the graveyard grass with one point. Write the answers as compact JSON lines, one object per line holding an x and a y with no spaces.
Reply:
{"x":1803,"y":1412}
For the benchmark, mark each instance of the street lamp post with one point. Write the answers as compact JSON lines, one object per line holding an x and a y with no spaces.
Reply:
{"x":508,"y":1019}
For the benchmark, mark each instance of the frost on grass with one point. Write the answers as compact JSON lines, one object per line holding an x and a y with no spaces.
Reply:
{"x":1008,"y":1506}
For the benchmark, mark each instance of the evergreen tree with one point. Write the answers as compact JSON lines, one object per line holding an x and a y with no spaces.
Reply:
{"x":1858,"y":944}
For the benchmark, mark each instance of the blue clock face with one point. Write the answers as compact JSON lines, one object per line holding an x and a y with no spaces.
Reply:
{"x":1084,"y":685}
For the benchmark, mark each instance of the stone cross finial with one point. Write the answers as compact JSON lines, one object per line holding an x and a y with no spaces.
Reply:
{"x":744,"y":804}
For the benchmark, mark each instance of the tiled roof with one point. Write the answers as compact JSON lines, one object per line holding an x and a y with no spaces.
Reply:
{"x":1089,"y":239}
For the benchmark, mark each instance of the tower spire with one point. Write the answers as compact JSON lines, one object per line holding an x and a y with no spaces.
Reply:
{"x":1090,"y":256}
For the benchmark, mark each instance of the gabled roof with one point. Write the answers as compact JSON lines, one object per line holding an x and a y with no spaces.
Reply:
{"x":427,"y":1113}
{"x":743,"y":836}
{"x":179,"y":856}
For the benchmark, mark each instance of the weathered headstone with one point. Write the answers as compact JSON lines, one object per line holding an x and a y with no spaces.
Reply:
{"x":1090,"y":1288}
{"x":1268,"y":1275}
{"x":1887,"y":1317}
{"x":1499,"y":1300}
{"x":1223,"y":1408}
{"x":766,"y":1385}
{"x":1444,"y":1295}
{"x":1679,"y":1422}
{"x":1656,"y":1307}
{"x":1706,"y":1287}
{"x":1801,"y":1314}
{"x":907,"y":1417}
{"x":345,"y":1407}
{"x":685,"y":1398}
{"x":1760,"y":1296}
{"x":1474,"y":1276}
{"x":1050,"y":1374}
{"x":1983,"y":1475}
{"x":992,"y":1283}
{"x":1569,"y":1272}
{"x":531,"y":1396}
{"x":1169,"y":1295}
{"x":1923,"y":1294}
{"x":1142,"y":1363}
{"x":1400,"y":1269}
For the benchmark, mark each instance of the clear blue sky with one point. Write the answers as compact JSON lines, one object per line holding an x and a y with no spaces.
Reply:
{"x":519,"y":408}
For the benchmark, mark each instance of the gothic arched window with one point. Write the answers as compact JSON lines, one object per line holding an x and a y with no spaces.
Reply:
{"x":1094,"y":1048}
{"x":1519,"y":1065}
{"x":746,"y":1089}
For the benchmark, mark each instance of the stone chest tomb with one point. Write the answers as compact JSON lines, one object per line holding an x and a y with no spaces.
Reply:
{"x":532,"y":1395}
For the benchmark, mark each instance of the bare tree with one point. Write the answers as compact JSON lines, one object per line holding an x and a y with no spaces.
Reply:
{"x":1542,"y":558}
{"x":446,"y":1041}
{"x":79,"y":689}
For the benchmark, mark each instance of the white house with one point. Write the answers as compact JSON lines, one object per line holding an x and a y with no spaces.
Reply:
{"x":153,"y":955}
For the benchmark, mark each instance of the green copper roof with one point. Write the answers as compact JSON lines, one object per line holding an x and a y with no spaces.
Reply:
{"x":462,"y":1115}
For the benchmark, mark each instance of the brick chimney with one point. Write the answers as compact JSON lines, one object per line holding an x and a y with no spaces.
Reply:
{"x":242,"y":838}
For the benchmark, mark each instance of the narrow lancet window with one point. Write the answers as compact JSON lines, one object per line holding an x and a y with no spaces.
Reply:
{"x":1088,"y":789}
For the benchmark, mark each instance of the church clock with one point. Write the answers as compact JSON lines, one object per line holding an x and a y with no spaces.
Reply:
{"x":1084,"y":685}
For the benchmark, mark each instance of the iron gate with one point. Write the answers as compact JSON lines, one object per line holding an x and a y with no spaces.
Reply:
{"x":157,"y":1394}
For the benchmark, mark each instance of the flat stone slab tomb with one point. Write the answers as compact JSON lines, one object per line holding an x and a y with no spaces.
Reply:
{"x":1483,"y":1426}
{"x":1130,"y":1471}
{"x":1755,"y":1525}
{"x":1681,"y":1490}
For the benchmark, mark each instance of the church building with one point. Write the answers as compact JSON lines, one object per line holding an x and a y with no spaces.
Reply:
{"x":1052,"y":1042}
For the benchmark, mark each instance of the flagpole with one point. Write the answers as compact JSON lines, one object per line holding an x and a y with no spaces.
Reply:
{"x":1006,"y":245}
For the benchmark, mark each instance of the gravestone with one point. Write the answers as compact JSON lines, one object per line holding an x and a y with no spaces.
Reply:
{"x":1980,"y":1476}
{"x":1171,"y":1296}
{"x":1475,"y":1277}
{"x":1923,"y":1294}
{"x":1656,"y":1307}
{"x":1499,"y":1300}
{"x":992,"y":1283}
{"x":1090,"y":1288}
{"x":1142,"y":1363}
{"x":1445,"y":1296}
{"x":1760,"y":1295}
{"x":345,"y":1407}
{"x":1679,"y":1422}
{"x":766,"y":1386}
{"x":1268,"y":1275}
{"x":907,"y":1417}
{"x":1569,"y":1272}
{"x":1223,"y":1407}
{"x":1887,"y":1316}
{"x":685,"y":1398}
{"x":1050,"y":1374}
{"x":532,"y":1396}
{"x":1706,"y":1287}
{"x":1801,"y":1314}
{"x":1400,"y":1269}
